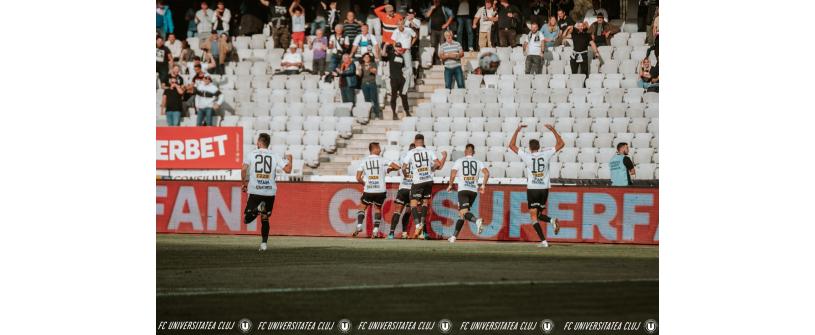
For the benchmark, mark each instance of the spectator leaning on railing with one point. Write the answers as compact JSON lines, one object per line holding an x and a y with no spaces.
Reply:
{"x":207,"y":99}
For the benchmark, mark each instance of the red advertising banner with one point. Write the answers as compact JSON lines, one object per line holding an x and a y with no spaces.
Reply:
{"x":199,"y":147}
{"x":586,"y":214}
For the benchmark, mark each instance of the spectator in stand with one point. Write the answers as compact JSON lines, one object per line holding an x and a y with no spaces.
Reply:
{"x":203,"y":20}
{"x":485,"y":17}
{"x":279,"y":23}
{"x":351,"y":27}
{"x":171,"y":101}
{"x":298,"y":24}
{"x":337,"y":46}
{"x":581,"y":40}
{"x":451,"y":53}
{"x":208,"y":99}
{"x":564,"y":25}
{"x":509,"y":17}
{"x":220,"y":21}
{"x":440,"y":19}
{"x":186,"y":55}
{"x":413,"y":23}
{"x":164,"y":19}
{"x":621,"y":166}
{"x":164,"y":59}
{"x":655,"y":36}
{"x":594,"y":12}
{"x":252,"y":18}
{"x":537,"y":12}
{"x":602,"y":31}
{"x":550,"y":34}
{"x":534,"y":46}
{"x":397,"y":65}
{"x":645,"y":73}
{"x":406,"y":38}
{"x":319,"y":47}
{"x":319,"y":18}
{"x":192,"y":27}
{"x":642,"y":15}
{"x":333,"y":14}
{"x":218,"y":47}
{"x":374,"y":25}
{"x":369,"y":88}
{"x":566,"y":6}
{"x":206,"y":64}
{"x":292,"y":61}
{"x":174,"y":45}
{"x":365,"y":43}
{"x":175,"y":74}
{"x":390,"y":21}
{"x":347,"y":74}
{"x":464,"y":24}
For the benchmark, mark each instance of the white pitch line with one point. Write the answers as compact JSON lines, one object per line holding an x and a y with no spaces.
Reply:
{"x":229,"y":291}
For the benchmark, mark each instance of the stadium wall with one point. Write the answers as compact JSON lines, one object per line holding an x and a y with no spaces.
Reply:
{"x":587,"y":214}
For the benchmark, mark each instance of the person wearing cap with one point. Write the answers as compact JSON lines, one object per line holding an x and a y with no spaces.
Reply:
{"x":207,"y":99}
{"x":594,"y":12}
{"x":602,"y":31}
{"x":292,"y":60}
{"x":405,"y":37}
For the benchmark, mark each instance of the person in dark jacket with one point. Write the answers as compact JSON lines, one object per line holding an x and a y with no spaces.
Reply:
{"x":347,"y":74}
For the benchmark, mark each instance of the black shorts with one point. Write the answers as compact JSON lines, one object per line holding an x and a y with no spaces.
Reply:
{"x":537,"y":198}
{"x":466,"y":199}
{"x":255,"y":199}
{"x":402,"y":196}
{"x":421,"y":191}
{"x":373,"y":198}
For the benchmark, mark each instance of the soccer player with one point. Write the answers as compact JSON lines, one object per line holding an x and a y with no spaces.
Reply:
{"x":402,"y":199}
{"x":260,"y":183}
{"x":371,"y":173}
{"x":422,"y":162}
{"x":537,"y":174}
{"x":467,"y":184}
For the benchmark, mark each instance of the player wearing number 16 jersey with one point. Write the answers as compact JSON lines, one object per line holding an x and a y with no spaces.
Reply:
{"x":537,"y":173}
{"x":371,"y":172}
{"x":258,"y":176}
{"x":421,"y":161}
{"x":464,"y":174}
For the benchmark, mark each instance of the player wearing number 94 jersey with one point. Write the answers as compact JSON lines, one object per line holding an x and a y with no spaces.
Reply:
{"x":421,"y":161}
{"x":464,"y":174}
{"x":258,"y":177}
{"x":537,"y":162}
{"x":371,"y":173}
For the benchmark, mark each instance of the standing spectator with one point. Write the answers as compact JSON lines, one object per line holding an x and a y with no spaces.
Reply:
{"x":319,"y":47}
{"x":319,"y":18}
{"x":337,"y":46}
{"x":593,"y":13}
{"x":397,"y":65}
{"x":390,"y":21}
{"x":440,"y":19}
{"x":451,"y":53}
{"x":373,"y":23}
{"x":464,"y":23}
{"x":206,"y":64}
{"x":164,"y":59}
{"x":406,"y":38}
{"x":292,"y":61}
{"x":175,"y":74}
{"x":369,"y":88}
{"x":203,"y":20}
{"x":333,"y":14}
{"x":566,"y":6}
{"x":164,"y":19}
{"x":581,"y":40}
{"x":413,"y":23}
{"x":347,"y":74}
{"x":174,"y":45}
{"x":350,"y":27}
{"x":279,"y":24}
{"x":186,"y":56}
{"x":642,"y":15}
{"x":207,"y":100}
{"x":602,"y":31}
{"x":218,"y":47}
{"x":485,"y":17}
{"x":220,"y":21}
{"x":298,"y":24}
{"x":192,"y":27}
{"x":365,"y":43}
{"x":621,"y":166}
{"x":538,"y":12}
{"x":564,"y":25}
{"x":550,"y":33}
{"x":171,"y":101}
{"x":534,"y":46}
{"x":253,"y":17}
{"x":508,"y":18}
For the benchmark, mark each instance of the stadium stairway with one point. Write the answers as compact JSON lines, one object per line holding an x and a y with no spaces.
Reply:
{"x":433,"y":78}
{"x":355,"y":148}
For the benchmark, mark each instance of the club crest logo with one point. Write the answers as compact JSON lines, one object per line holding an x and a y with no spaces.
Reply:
{"x":245,"y":325}
{"x":345,"y":326}
{"x":650,"y":326}
{"x":547,"y":326}
{"x":445,"y":326}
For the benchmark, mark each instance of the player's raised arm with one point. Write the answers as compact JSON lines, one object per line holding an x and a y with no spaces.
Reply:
{"x":440,"y":162}
{"x":393,"y":166}
{"x":244,"y":177}
{"x":486,"y":173}
{"x":512,"y":143}
{"x":560,"y":144}
{"x":287,"y":168}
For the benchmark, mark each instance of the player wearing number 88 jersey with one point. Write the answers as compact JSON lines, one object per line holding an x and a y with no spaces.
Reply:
{"x":465,"y":174}
{"x":537,"y":162}
{"x":371,"y":173}
{"x":258,"y":177}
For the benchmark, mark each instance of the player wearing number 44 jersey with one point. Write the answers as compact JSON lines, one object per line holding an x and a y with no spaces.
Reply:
{"x":537,"y":162}
{"x":421,"y":161}
{"x":371,"y":173}
{"x":258,"y":177}
{"x":464,"y":174}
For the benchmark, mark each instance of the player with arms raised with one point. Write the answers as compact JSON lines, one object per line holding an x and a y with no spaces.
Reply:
{"x":421,"y":161}
{"x":371,"y":173}
{"x":258,"y":177}
{"x":467,"y":182}
{"x":537,"y":174}
{"x":402,"y":199}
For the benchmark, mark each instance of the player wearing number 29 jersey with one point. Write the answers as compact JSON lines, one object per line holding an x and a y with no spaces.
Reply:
{"x":537,"y":162}
{"x":258,"y":175}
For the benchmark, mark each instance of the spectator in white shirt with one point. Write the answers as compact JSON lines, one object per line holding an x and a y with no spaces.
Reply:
{"x":406,"y":37}
{"x":484,"y":18}
{"x":174,"y":45}
{"x":364,"y":43}
{"x":534,"y":46}
{"x":203,"y":20}
{"x":207,"y":99}
{"x":220,"y":18}
{"x":292,"y":61}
